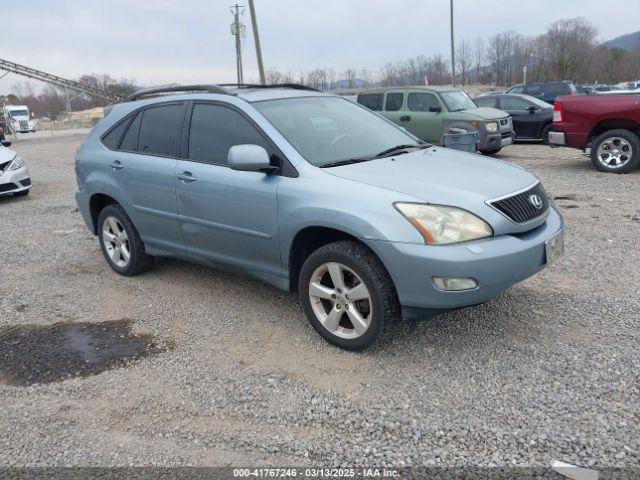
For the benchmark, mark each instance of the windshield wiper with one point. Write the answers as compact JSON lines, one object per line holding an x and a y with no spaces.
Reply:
{"x":400,"y":149}
{"x":348,"y":161}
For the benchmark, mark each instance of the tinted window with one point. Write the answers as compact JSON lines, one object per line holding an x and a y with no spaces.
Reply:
{"x":371,"y":100}
{"x":558,"y":88}
{"x":159,"y":129}
{"x":394,"y":102}
{"x":516,"y":89}
{"x":513,"y":103}
{"x":420,"y":102}
{"x":215,"y":129}
{"x":485,"y":102}
{"x":130,"y":140}
{"x":112,"y":139}
{"x":532,"y":90}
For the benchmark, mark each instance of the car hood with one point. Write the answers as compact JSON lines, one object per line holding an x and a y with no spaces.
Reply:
{"x":6,"y":154}
{"x":487,"y":113}
{"x":440,"y":176}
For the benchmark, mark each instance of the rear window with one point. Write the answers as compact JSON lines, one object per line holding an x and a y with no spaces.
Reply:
{"x":394,"y":102}
{"x":112,"y":139}
{"x":159,"y":129}
{"x":372,"y":101}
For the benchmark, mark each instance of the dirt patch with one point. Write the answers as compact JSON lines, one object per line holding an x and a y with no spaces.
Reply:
{"x":50,"y":353}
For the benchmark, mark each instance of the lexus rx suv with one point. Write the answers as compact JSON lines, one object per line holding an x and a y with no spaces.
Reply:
{"x":314,"y":194}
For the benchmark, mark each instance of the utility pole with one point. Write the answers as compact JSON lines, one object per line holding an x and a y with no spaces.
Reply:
{"x":524,"y":75}
{"x":237,"y":30}
{"x":256,"y":39}
{"x":453,"y":50}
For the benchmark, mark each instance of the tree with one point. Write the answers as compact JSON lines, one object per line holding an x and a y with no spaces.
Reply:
{"x":570,"y":45}
{"x":464,"y":57}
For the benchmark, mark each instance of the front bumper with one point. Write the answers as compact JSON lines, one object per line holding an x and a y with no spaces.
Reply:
{"x":495,"y":263}
{"x":558,"y":138}
{"x":14,"y":181}
{"x":495,"y":141}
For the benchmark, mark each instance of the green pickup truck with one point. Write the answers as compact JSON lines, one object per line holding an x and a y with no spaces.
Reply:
{"x":430,"y":112}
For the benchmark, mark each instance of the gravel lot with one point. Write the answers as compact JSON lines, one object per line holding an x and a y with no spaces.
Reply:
{"x":231,"y":373}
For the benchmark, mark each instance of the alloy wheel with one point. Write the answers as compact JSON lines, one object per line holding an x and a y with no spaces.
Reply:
{"x":614,"y":152}
{"x":116,"y":242}
{"x":340,"y":300}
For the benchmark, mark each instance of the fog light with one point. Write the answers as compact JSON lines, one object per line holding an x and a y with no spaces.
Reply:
{"x":454,"y":284}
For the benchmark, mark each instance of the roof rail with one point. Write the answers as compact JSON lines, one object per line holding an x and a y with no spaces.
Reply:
{"x":175,"y":88}
{"x":294,"y":86}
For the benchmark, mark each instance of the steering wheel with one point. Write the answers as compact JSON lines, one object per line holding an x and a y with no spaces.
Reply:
{"x":339,"y":138}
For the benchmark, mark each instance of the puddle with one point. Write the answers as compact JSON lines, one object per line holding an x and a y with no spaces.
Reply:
{"x":50,"y":353}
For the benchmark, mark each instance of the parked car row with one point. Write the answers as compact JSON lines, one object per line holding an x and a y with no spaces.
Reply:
{"x":318,"y":195}
{"x":431,"y":112}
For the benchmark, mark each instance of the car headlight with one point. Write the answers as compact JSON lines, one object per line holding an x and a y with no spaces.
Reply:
{"x":491,"y":127}
{"x":441,"y":225}
{"x":16,"y":163}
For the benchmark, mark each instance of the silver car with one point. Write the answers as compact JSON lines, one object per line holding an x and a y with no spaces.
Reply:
{"x":14,"y":176}
{"x":314,"y":194}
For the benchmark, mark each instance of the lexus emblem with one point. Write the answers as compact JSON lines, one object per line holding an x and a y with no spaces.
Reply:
{"x":536,"y":201}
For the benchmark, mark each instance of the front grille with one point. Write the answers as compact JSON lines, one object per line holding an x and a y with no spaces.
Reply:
{"x":506,"y":134}
{"x":521,"y":207}
{"x":24,"y":125}
{"x":26,"y":182}
{"x":504,"y":121}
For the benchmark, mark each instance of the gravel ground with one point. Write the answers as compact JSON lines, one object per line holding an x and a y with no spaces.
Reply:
{"x":236,"y":376}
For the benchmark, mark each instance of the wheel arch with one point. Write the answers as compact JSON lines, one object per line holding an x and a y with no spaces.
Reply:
{"x":309,"y":239}
{"x":613,"y":124}
{"x":97,"y":202}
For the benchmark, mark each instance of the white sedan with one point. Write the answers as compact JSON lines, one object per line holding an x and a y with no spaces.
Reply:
{"x":14,"y":176}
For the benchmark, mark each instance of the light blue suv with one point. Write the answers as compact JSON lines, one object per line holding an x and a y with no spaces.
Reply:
{"x":311,"y":193}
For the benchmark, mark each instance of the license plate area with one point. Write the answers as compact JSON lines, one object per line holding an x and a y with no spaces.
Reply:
{"x":554,"y":247}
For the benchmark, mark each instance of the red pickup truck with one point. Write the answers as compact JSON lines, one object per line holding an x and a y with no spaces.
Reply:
{"x":610,"y":124}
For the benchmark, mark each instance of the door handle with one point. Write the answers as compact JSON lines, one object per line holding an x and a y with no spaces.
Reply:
{"x":186,"y":177}
{"x":117,"y":165}
{"x":405,"y":118}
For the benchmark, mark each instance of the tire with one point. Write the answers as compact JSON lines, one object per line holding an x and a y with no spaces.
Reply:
{"x":544,"y":134}
{"x":113,"y":219}
{"x":490,"y":152}
{"x":361,"y":265}
{"x":23,"y":193}
{"x":625,"y":142}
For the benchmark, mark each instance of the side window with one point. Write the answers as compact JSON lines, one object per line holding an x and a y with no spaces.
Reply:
{"x":485,"y":102}
{"x":215,"y":129}
{"x":518,"y":89}
{"x":159,"y":129}
{"x":371,"y":100}
{"x":512,"y":103}
{"x":534,"y":90}
{"x":558,"y":88}
{"x":421,"y":102}
{"x":394,"y":102}
{"x":130,"y":140}
{"x":112,"y":139}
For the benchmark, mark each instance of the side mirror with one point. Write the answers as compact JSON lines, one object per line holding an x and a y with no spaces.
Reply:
{"x":250,"y":158}
{"x":435,"y":109}
{"x":6,"y":143}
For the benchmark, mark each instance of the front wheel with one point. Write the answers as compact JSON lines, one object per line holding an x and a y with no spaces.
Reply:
{"x":347,"y":294}
{"x":616,"y":151}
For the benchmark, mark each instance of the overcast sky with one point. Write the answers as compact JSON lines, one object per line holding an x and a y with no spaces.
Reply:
{"x":163,"y":41}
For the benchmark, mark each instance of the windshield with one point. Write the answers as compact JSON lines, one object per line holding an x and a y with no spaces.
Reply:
{"x":325,"y":130}
{"x":19,"y":113}
{"x":457,"y":100}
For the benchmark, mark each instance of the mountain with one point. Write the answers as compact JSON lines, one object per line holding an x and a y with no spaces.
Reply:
{"x":625,"y":42}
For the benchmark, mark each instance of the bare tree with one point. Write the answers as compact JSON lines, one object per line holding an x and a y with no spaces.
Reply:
{"x":478,"y":57}
{"x":464,"y":57}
